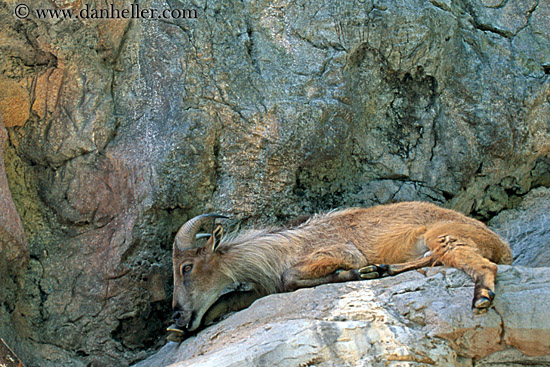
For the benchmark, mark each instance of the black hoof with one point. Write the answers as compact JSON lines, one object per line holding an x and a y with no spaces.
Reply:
{"x":176,"y":338}
{"x":174,"y":329}
{"x":175,"y":334}
{"x":373,"y":271}
{"x":371,"y":275}
{"x":482,"y":303}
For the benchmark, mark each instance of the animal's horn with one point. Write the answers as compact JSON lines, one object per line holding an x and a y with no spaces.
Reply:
{"x":185,"y":238}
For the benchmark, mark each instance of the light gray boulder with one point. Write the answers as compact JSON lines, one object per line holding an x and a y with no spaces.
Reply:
{"x":527,"y":228}
{"x":407,"y":320}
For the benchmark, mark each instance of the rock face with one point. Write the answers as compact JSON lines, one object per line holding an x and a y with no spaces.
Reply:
{"x":14,"y":251}
{"x":408,"y":320}
{"x":121,"y":129}
{"x":12,"y":236}
{"x":527,"y":229}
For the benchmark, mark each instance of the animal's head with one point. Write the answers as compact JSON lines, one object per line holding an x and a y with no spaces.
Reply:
{"x":198,"y":283}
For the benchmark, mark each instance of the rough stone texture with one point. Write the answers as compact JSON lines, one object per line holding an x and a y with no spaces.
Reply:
{"x":119,"y":130}
{"x":14,"y":251}
{"x":407,"y":320}
{"x":527,"y":228}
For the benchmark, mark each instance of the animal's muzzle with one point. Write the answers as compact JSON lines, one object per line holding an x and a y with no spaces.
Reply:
{"x":182,"y":318}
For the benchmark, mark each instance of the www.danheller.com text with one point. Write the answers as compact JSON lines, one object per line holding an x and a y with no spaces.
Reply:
{"x":133,"y":11}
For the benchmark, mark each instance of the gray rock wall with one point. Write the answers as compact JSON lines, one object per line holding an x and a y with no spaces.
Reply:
{"x":119,"y":130}
{"x":527,"y":228}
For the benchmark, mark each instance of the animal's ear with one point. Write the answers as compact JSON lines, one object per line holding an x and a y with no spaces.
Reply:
{"x":217,"y":235}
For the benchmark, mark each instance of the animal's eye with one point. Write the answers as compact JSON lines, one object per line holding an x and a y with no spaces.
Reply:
{"x":186,"y":268}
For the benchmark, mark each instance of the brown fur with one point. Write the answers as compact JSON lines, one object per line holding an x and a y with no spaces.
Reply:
{"x":341,"y":246}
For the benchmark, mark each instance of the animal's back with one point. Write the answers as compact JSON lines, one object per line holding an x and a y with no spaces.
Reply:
{"x":394,"y":233}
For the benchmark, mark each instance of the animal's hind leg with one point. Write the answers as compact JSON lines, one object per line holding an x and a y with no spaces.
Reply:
{"x":461,"y":246}
{"x":464,"y":246}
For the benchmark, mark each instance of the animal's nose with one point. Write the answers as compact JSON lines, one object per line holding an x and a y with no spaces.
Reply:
{"x":181,"y":317}
{"x":177,"y":315}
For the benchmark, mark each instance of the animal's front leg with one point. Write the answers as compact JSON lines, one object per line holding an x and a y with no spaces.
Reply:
{"x":296,"y":278}
{"x":379,"y":270}
{"x":324,"y":267}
